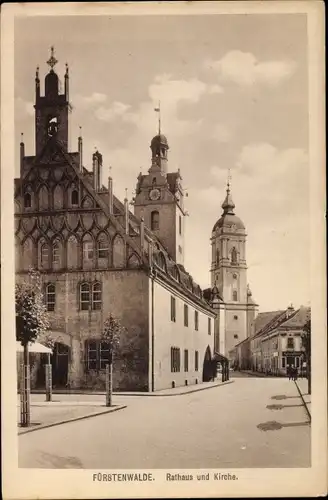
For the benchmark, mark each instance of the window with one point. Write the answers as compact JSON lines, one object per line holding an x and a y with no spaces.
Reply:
{"x":297,"y":362}
{"x":196,"y":320}
{"x":102,"y":249}
{"x":234,"y":256}
{"x":173,"y":309}
{"x":290,"y":343}
{"x":235,"y":336}
{"x":175,"y":359}
{"x":96,"y":296}
{"x":27,"y":200}
{"x":180,"y":224}
{"x":235,"y":317}
{"x":87,"y":250}
{"x":283,"y":362}
{"x":185,"y":311}
{"x":50,"y":297}
{"x":154,"y":220}
{"x":55,"y":253}
{"x":44,"y":255}
{"x":186,"y":360}
{"x":217,"y":256}
{"x":85,"y":296}
{"x":97,"y":354}
{"x":180,"y":249}
{"x":209,"y":326}
{"x":196,"y":361}
{"x":234,"y":295}
{"x":74,"y":197}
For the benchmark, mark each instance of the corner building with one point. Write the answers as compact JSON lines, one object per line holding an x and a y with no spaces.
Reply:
{"x":95,"y":257}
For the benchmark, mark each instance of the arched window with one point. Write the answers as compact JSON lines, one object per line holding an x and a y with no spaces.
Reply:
{"x":217,"y":256}
{"x":27,"y":200}
{"x":74,"y":197}
{"x":44,"y":255}
{"x":234,"y":295}
{"x":102,"y":248}
{"x":55,"y":253}
{"x":154,"y":220}
{"x":87,"y":249}
{"x":96,"y":296}
{"x":50,"y":297}
{"x":234,"y":256}
{"x":84,"y":296}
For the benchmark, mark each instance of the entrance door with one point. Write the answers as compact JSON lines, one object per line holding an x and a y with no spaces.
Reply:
{"x":60,"y":360}
{"x":207,"y":366}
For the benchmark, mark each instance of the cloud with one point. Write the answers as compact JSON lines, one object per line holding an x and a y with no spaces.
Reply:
{"x":85,"y":102}
{"x":220,"y":133}
{"x":243,"y":68}
{"x":116,"y":110}
{"x":24,"y":108}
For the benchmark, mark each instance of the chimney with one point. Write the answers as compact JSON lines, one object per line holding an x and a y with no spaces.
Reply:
{"x":22,"y":152}
{"x":80,"y":150}
{"x":142,"y":234}
{"x":110,"y":194}
{"x":97,"y":167}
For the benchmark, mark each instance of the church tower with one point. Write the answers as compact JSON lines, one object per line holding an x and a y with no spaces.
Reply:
{"x":159,"y":200}
{"x":229,"y":274}
{"x":51,"y":109}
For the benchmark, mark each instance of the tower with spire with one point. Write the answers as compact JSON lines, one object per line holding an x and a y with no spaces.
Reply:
{"x":229,"y":273}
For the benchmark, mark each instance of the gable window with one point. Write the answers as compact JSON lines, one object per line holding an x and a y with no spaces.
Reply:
{"x":185,"y":311}
{"x":74,"y":197}
{"x":102,"y":249}
{"x":196,"y":320}
{"x":84,"y":296}
{"x":196,"y":361}
{"x":96,"y":296}
{"x":290,"y":343}
{"x":55,"y":253}
{"x":209,"y":326}
{"x":44,"y":255}
{"x":154,"y":220}
{"x":27,"y":200}
{"x":50,"y":297}
{"x":173,"y":309}
{"x":234,"y":295}
{"x":97,"y":355}
{"x":88,"y":250}
{"x":186,"y":360}
{"x":234,"y":256}
{"x":175,"y":359}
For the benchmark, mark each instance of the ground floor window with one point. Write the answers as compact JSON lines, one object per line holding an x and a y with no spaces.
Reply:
{"x":175,"y":359}
{"x":186,"y":360}
{"x":196,"y":361}
{"x":97,"y":354}
{"x":283,"y":362}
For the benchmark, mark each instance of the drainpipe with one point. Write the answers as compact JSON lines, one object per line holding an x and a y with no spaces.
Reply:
{"x":152,"y":335}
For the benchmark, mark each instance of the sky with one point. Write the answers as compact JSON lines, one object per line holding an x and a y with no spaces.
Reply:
{"x":233,"y":92}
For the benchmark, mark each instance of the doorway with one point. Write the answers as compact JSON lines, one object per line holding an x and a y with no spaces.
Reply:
{"x":60,"y":360}
{"x":207,"y":366}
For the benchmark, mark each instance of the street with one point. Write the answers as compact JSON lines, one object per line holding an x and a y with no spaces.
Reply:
{"x":214,"y":428}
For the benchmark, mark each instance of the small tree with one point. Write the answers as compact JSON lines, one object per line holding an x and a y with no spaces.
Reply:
{"x":306,"y":343}
{"x":31,"y":324}
{"x":111,"y":334}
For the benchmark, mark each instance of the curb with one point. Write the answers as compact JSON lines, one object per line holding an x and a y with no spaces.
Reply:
{"x":144,"y":394}
{"x":74,"y":419}
{"x":303,"y":401}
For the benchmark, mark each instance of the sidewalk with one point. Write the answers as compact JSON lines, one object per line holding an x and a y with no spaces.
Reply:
{"x":302,"y":386}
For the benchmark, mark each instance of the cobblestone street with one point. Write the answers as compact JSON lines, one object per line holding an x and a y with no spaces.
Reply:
{"x":254,"y":422}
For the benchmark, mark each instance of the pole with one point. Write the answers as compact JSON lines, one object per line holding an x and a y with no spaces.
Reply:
{"x":25,"y":412}
{"x":48,"y":374}
{"x":109,"y":383}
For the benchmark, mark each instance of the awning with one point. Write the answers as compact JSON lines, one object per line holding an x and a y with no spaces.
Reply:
{"x":33,"y":347}
{"x":219,"y":357}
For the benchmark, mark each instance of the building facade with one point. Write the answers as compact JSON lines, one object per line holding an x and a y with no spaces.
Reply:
{"x":95,"y":257}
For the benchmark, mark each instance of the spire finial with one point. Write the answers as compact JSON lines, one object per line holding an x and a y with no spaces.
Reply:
{"x":52,"y":61}
{"x":66,"y":66}
{"x":22,"y":136}
{"x":37,"y":72}
{"x":158,"y":110}
{"x":126,"y":194}
{"x":228,"y":205}
{"x":229,"y":179}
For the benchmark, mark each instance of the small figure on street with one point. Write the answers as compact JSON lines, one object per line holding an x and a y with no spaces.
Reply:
{"x":295,"y":374}
{"x":290,"y":370}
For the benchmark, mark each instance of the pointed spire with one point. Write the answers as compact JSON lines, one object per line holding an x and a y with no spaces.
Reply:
{"x":228,"y":204}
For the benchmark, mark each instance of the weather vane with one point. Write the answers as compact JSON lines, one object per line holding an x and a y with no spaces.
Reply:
{"x":158,"y":110}
{"x":52,"y":61}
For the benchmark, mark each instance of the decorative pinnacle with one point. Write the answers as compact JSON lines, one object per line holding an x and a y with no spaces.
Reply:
{"x":126,"y":193}
{"x":66,"y":66}
{"x":52,"y":61}
{"x":37,"y":72}
{"x":22,"y":136}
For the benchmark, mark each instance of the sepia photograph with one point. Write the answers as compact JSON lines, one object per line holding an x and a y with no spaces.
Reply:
{"x":163,"y":317}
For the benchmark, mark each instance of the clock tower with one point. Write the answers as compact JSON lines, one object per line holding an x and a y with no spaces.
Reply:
{"x":159,"y":200}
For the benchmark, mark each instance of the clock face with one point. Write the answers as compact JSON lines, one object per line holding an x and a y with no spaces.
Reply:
{"x":155,"y":194}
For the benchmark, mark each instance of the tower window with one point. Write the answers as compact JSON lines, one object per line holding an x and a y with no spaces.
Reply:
{"x":235,"y":336}
{"x":217,"y":256}
{"x":154,"y":220}
{"x":180,"y":224}
{"x":234,"y":295}
{"x":44,"y":255}
{"x":235,"y":317}
{"x":87,"y":250}
{"x":84,"y":296}
{"x":234,"y":256}
{"x":185,"y":309}
{"x":96,"y":297}
{"x":27,"y":200}
{"x":74,"y":197}
{"x":50,"y":297}
{"x":102,"y":249}
{"x":55,"y":253}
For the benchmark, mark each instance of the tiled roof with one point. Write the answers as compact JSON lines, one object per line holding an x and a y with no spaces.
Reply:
{"x":263,"y":319}
{"x":298,"y":319}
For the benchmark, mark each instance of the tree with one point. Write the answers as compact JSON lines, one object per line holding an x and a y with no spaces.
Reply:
{"x":31,"y":324}
{"x":111,"y":334}
{"x":306,"y":343}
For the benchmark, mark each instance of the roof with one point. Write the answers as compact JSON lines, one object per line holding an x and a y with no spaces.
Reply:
{"x":263,"y":319}
{"x":33,"y":347}
{"x":298,"y":320}
{"x":159,"y":138}
{"x":227,"y":220}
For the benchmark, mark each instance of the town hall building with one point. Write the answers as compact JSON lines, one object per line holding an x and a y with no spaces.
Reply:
{"x":96,"y":258}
